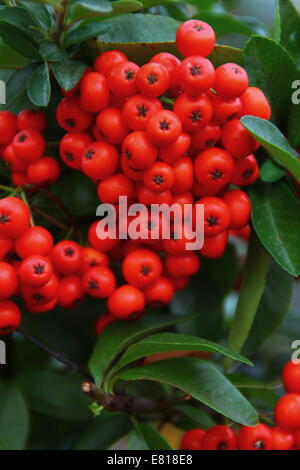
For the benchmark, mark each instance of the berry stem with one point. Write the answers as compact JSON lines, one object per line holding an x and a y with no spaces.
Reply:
{"x":25,"y":200}
{"x":58,"y":356}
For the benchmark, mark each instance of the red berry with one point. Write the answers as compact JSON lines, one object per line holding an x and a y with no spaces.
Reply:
{"x":208,"y":136}
{"x":141,"y":268}
{"x":246,"y":171}
{"x":287,"y":412}
{"x":195,"y":37}
{"x":159,"y":177}
{"x":240,"y":207}
{"x":214,"y":246}
{"x":214,"y":168}
{"x":35,"y":271}
{"x":14,"y":163}
{"x":231,"y":80}
{"x":102,"y":322}
{"x":196,"y":74}
{"x":8,"y":281}
{"x":71,"y":117}
{"x":192,"y":440}
{"x":160,"y":292}
{"x":40,"y":296}
{"x":195,"y":113}
{"x":291,"y":377}
{"x":99,"y":160}
{"x":94,"y":92}
{"x":152,"y":79}
{"x":106,"y":61}
{"x":35,"y":241}
{"x":176,"y":150}
{"x":44,"y":171}
{"x":71,"y":148}
{"x":182,"y":265}
{"x":170,"y":62}
{"x":14,"y":217}
{"x":163,"y":128}
{"x":237,"y":140}
{"x":219,"y":438}
{"x":92,"y":257}
{"x":112,"y":126}
{"x":122,"y":79}
{"x":70,"y":292}
{"x":258,"y":437}
{"x":110,"y":189}
{"x":101,"y":244}
{"x":10,"y":317}
{"x":138,"y":109}
{"x":67,"y":257}
{"x":216,"y":215}
{"x":8,"y":127}
{"x":282,"y":440}
{"x":99,"y":282}
{"x":29,"y":145}
{"x":226,"y":109}
{"x":31,"y":119}
{"x":6,"y":246}
{"x":255,"y":103}
{"x":139,"y":151}
{"x":126,"y":301}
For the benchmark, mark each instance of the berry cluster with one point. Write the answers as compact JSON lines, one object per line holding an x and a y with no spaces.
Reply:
{"x":285,"y":436}
{"x":22,"y":148}
{"x":167,"y":132}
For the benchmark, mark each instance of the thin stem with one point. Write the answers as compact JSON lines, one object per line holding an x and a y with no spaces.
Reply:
{"x":58,"y":356}
{"x":25,"y":200}
{"x":168,"y":102}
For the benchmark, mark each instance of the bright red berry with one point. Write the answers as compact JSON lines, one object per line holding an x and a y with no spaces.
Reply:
{"x":282,"y":440}
{"x":44,"y":171}
{"x":14,"y":217}
{"x":219,"y":438}
{"x":31,"y":119}
{"x":99,"y":160}
{"x":72,"y":146}
{"x":192,"y":440}
{"x":231,"y":80}
{"x":35,"y":241}
{"x":70,"y":292}
{"x":160,"y":292}
{"x":291,"y":377}
{"x":8,"y":127}
{"x":214,"y":168}
{"x":8,"y":281}
{"x":99,"y":282}
{"x":122,"y":79}
{"x":164,"y":127}
{"x":35,"y":271}
{"x":112,"y":126}
{"x":94,"y":92}
{"x":196,"y":75}
{"x":194,"y":112}
{"x":106,"y":61}
{"x":139,"y":150}
{"x":216,"y":215}
{"x":138,"y":109}
{"x":141,"y":268}
{"x":71,"y":117}
{"x":255,"y":103}
{"x":240,"y":207}
{"x":10,"y":317}
{"x":258,"y":437}
{"x":29,"y":145}
{"x":182,"y":265}
{"x":237,"y":140}
{"x":66,"y":257}
{"x":287,"y":412}
{"x":126,"y":302}
{"x":152,"y":79}
{"x":195,"y":37}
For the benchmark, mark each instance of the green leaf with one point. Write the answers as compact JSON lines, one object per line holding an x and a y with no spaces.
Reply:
{"x":273,"y":307}
{"x":264,"y":60}
{"x":276,"y":219}
{"x":68,"y":73}
{"x":102,"y":432}
{"x":223,"y":54}
{"x":118,"y":336}
{"x":155,"y":3}
{"x":126,"y":6}
{"x":17,"y":41}
{"x":198,"y":418}
{"x":289,"y":21}
{"x":9,"y":59}
{"x":39,"y":88}
{"x":82,"y":31}
{"x":201,"y":380}
{"x":165,"y":342}
{"x":40,"y":14}
{"x":225,"y":23}
{"x":80,"y":9}
{"x":55,"y":394}
{"x":51,"y":52}
{"x":202,"y":295}
{"x":270,"y":172}
{"x":250,"y":294}
{"x":18,"y":19}
{"x":293,"y":125}
{"x":274,"y":141}
{"x":14,"y":419}
{"x":145,"y":437}
{"x":139,"y":35}
{"x":17,"y":84}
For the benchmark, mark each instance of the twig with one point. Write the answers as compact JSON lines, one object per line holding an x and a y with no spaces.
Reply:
{"x":58,"y":356}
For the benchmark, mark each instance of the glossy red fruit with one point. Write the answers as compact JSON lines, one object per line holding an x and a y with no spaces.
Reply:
{"x":139,"y":150}
{"x":99,"y":160}
{"x":35,"y":241}
{"x":179,"y":283}
{"x":159,"y":177}
{"x":110,"y":189}
{"x":231,"y":80}
{"x":39,"y":296}
{"x":102,"y":322}
{"x":207,"y":137}
{"x":101,"y":240}
{"x":10,"y":317}
{"x":246,"y":171}
{"x":41,"y":308}
{"x":70,"y":292}
{"x":147,"y":196}
{"x":106,"y":61}
{"x":14,"y":217}
{"x":219,"y":438}
{"x":112,"y":126}
{"x":8,"y":127}
{"x":226,"y":109}
{"x":152,"y":79}
{"x":195,"y":37}
{"x":66,"y":257}
{"x":182,"y":265}
{"x":35,"y":271}
{"x":240,"y":208}
{"x":215,"y":246}
{"x":94,"y":92}
{"x":255,"y":103}
{"x":99,"y":282}
{"x":184,"y":175}
{"x":122,"y":79}
{"x":176,"y":150}
{"x":92,"y":257}
{"x":138,"y":109}
{"x":160,"y":292}
{"x":258,"y":437}
{"x":216,"y":215}
{"x":291,"y":377}
{"x":237,"y":140}
{"x":20,"y":179}
{"x":196,"y":75}
{"x":126,"y":302}
{"x":13,"y":162}
{"x":282,"y":440}
{"x":6,"y":246}
{"x":296,"y":437}
{"x":171,"y":63}
{"x":44,"y":171}
{"x":141,"y":268}
{"x":31,"y":119}
{"x":71,"y":117}
{"x":287,"y":412}
{"x":192,"y":440}
{"x":29,"y":145}
{"x":214,"y":168}
{"x":163,"y":128}
{"x":194,"y":113}
{"x":72,"y":146}
{"x":8,"y":281}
